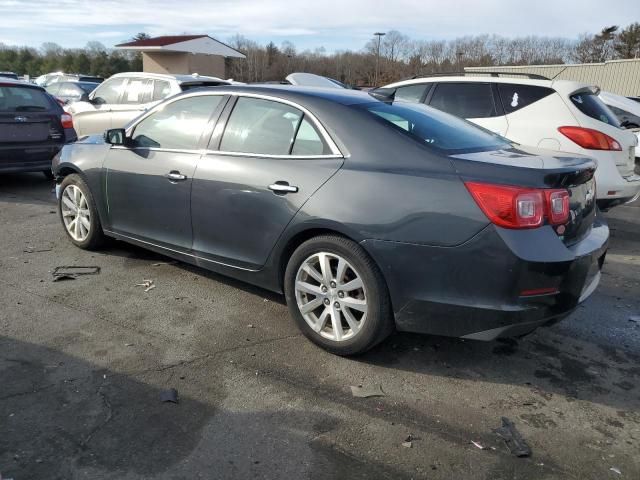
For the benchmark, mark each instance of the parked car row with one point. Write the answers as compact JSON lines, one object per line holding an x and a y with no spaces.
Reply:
{"x":368,"y":213}
{"x":557,"y":115}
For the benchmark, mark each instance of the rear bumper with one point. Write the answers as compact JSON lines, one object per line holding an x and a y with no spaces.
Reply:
{"x":474,"y":290}
{"x":27,"y":158}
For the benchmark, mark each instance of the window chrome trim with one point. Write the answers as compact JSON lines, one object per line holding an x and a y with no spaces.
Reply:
{"x":264,"y":155}
{"x":335,"y":151}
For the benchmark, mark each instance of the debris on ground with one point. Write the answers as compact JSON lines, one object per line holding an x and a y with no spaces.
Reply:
{"x":511,"y":436}
{"x":158,"y":264}
{"x":367,"y":391}
{"x":616,"y":470}
{"x":69,"y":272}
{"x":170,"y":395}
{"x":250,"y":326}
{"x":634,"y":318}
{"x":408,"y":442}
{"x":477,"y":445}
{"x":148,"y":284}
{"x":36,"y":250}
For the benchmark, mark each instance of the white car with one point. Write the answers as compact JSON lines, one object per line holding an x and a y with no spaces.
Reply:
{"x":124,"y":96}
{"x":551,"y":114}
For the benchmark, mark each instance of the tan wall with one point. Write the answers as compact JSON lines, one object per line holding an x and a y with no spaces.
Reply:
{"x":183,"y":63}
{"x":617,"y":76}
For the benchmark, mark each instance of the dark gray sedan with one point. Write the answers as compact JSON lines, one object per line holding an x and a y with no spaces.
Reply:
{"x":368,"y":215}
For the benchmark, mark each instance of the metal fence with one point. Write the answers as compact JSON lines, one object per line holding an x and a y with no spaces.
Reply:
{"x":616,"y":76}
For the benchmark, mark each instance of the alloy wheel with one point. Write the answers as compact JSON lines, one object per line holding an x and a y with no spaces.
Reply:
{"x":331,"y":296}
{"x":75,"y":213}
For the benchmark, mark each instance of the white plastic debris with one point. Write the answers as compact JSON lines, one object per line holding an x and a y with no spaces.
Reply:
{"x":148,"y":284}
{"x":616,"y":470}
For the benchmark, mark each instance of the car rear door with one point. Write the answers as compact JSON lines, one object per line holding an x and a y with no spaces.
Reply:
{"x":266,"y":158}
{"x":148,"y":181}
{"x":475,"y":101}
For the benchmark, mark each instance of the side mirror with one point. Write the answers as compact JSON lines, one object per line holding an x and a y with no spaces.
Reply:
{"x":115,"y":136}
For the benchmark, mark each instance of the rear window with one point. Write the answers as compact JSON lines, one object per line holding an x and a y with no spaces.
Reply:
{"x":23,"y":99}
{"x":591,"y":105}
{"x":435,"y":129}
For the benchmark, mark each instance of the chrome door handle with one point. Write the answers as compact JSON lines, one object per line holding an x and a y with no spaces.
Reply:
{"x":174,"y":176}
{"x":282,"y":188}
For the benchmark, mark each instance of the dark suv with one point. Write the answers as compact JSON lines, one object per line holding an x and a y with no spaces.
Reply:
{"x":33,"y":128}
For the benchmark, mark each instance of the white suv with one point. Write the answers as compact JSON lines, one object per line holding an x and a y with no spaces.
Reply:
{"x":555,"y":115}
{"x":124,"y":96}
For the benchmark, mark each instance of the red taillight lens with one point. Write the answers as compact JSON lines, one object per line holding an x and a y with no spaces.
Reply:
{"x":590,"y":139}
{"x":516,"y":207}
{"x":66,"y":120}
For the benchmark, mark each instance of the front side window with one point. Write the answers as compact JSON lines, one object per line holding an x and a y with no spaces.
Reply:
{"x":260,"y":126}
{"x":514,"y":96}
{"x":591,"y":105}
{"x":177,"y":125}
{"x":411,"y":93}
{"x":465,"y":100}
{"x":109,"y":92}
{"x":434,"y":129}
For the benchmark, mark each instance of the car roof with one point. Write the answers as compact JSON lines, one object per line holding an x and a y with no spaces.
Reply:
{"x":562,"y":86}
{"x":165,"y":76}
{"x":295,"y":93}
{"x":18,"y":83}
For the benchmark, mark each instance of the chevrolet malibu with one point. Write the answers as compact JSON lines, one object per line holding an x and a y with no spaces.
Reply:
{"x":368,"y":215}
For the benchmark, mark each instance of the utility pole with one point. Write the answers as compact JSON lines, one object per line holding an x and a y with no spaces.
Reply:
{"x":379,"y":35}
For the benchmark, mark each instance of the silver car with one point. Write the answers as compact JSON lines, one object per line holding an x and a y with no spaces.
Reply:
{"x":124,"y":96}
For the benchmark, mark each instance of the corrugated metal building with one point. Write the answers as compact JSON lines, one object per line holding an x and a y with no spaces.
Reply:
{"x":617,"y":76}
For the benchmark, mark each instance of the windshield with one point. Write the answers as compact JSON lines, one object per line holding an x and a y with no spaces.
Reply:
{"x":434,"y":128}
{"x":589,"y":104}
{"x":23,"y":99}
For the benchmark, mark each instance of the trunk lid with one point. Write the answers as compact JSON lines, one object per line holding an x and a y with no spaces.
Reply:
{"x":535,"y":168}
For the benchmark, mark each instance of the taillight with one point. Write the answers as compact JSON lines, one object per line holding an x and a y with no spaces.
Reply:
{"x":517,"y":207}
{"x":590,"y":139}
{"x":66,"y":120}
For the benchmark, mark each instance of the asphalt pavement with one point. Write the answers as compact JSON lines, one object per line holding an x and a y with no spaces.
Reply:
{"x":84,"y":362}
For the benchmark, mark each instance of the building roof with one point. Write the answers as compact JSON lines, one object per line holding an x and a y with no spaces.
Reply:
{"x":183,"y":43}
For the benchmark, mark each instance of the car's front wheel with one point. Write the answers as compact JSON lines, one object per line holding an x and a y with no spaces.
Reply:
{"x":337,"y":295}
{"x":78,"y":213}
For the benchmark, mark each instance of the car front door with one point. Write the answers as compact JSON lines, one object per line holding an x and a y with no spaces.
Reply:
{"x":148,"y":181}
{"x":475,"y":101}
{"x":263,"y":164}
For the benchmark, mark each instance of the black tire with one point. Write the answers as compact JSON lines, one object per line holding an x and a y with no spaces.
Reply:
{"x":95,"y":238}
{"x":48,"y":174}
{"x":379,"y":322}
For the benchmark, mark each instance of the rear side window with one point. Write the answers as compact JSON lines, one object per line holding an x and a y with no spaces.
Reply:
{"x":434,"y":129}
{"x":591,"y":105}
{"x":411,"y":93}
{"x":178,"y":125}
{"x":260,"y":126}
{"x":514,"y":97}
{"x":109,"y":92}
{"x":161,"y":90}
{"x":138,"y":91}
{"x":465,"y":100}
{"x":308,"y":141}
{"x":23,"y":99}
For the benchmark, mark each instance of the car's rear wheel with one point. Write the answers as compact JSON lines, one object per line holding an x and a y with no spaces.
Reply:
{"x":337,"y":295}
{"x":78,"y":213}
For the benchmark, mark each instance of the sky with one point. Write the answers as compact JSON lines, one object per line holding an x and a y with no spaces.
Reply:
{"x":332,"y":24}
